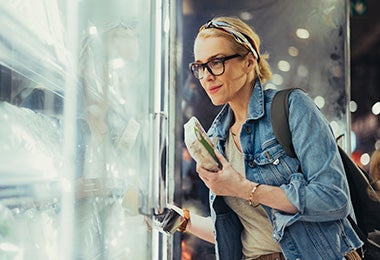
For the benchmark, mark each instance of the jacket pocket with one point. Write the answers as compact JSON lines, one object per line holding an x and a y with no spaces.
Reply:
{"x":275,"y":166}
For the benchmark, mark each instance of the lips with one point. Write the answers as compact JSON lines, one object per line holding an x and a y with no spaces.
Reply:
{"x":214,"y":89}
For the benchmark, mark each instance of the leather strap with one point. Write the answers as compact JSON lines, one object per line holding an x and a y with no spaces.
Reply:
{"x":279,"y":117}
{"x":185,"y":221}
{"x":273,"y":256}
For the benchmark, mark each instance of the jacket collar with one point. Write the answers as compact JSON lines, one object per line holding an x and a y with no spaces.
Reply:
{"x":256,"y":110}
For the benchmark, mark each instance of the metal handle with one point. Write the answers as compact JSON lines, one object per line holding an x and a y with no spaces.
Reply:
{"x":155,"y":200}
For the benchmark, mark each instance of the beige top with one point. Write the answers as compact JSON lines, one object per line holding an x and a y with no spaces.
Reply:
{"x":256,"y":236}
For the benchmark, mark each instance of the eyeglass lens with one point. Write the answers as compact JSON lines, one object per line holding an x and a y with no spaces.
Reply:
{"x":215,"y":66}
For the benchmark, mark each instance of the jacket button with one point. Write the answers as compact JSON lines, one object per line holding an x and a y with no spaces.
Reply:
{"x":251,"y":164}
{"x":248,"y":129}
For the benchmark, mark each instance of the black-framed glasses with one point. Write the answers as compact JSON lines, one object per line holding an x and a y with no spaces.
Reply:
{"x":215,"y":66}
{"x":239,"y":37}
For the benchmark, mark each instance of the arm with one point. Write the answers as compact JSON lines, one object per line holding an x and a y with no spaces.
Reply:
{"x":228,"y":182}
{"x":199,"y":226}
{"x":320,"y":191}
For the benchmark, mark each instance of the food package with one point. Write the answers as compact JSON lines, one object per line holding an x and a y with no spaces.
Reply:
{"x":200,"y":146}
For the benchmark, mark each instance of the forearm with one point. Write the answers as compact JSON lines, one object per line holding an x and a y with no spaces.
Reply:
{"x":274,"y":197}
{"x":201,"y":227}
{"x":268,"y":195}
{"x":228,"y":182}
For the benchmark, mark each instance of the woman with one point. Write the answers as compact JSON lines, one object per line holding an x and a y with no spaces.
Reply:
{"x":262,"y":205}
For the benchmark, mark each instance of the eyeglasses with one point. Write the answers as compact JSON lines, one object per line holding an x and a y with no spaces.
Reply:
{"x":239,"y":37}
{"x":215,"y":66}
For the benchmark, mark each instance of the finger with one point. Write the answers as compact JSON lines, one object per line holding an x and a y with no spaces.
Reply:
{"x":204,"y":179}
{"x":202,"y":173}
{"x":199,"y":168}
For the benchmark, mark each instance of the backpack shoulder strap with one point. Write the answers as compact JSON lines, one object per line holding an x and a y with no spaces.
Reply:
{"x":279,"y":117}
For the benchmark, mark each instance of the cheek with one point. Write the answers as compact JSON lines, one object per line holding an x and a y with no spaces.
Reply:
{"x":232,"y":78}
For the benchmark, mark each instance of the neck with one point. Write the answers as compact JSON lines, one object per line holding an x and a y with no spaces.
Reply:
{"x":239,"y":104}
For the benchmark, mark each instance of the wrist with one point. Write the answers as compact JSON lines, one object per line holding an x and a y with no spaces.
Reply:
{"x":245,"y":189}
{"x":251,"y":198}
{"x":186,"y":219}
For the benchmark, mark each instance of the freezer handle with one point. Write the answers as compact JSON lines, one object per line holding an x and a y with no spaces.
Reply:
{"x":154,"y":201}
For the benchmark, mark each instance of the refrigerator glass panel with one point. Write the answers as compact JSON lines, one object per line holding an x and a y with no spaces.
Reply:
{"x":83,"y":129}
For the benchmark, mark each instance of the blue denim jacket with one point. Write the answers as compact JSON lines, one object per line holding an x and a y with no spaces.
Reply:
{"x":320,"y":229}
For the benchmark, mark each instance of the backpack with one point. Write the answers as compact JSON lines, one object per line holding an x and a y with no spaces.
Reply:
{"x":364,"y":199}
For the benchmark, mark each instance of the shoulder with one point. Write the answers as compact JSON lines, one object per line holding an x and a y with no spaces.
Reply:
{"x":292,"y":92}
{"x":269,"y":93}
{"x":300,"y":98}
{"x":292,"y":96}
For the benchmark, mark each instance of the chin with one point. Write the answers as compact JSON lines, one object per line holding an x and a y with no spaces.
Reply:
{"x":217,"y":102}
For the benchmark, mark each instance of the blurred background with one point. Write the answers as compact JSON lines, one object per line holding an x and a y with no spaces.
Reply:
{"x":365,"y":78}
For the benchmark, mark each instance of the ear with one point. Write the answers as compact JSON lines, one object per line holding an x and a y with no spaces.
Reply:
{"x":251,"y":61}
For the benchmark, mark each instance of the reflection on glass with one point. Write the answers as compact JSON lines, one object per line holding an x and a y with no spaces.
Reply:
{"x":113,"y":183}
{"x":112,"y":137}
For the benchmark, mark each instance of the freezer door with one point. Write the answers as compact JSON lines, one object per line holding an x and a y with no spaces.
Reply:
{"x":83,"y":129}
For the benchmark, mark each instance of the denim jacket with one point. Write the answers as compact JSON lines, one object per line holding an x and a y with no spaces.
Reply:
{"x":320,"y":229}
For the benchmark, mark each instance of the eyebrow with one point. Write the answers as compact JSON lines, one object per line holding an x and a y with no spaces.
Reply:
{"x":211,"y":57}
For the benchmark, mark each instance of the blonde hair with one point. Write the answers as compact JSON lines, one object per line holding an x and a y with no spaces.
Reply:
{"x":263,"y":70}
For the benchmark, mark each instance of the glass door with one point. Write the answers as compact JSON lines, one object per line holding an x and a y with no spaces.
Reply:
{"x":32,"y":65}
{"x":84,"y":129}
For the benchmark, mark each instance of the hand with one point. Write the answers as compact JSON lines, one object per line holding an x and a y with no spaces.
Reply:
{"x":225,"y":182}
{"x":228,"y":182}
